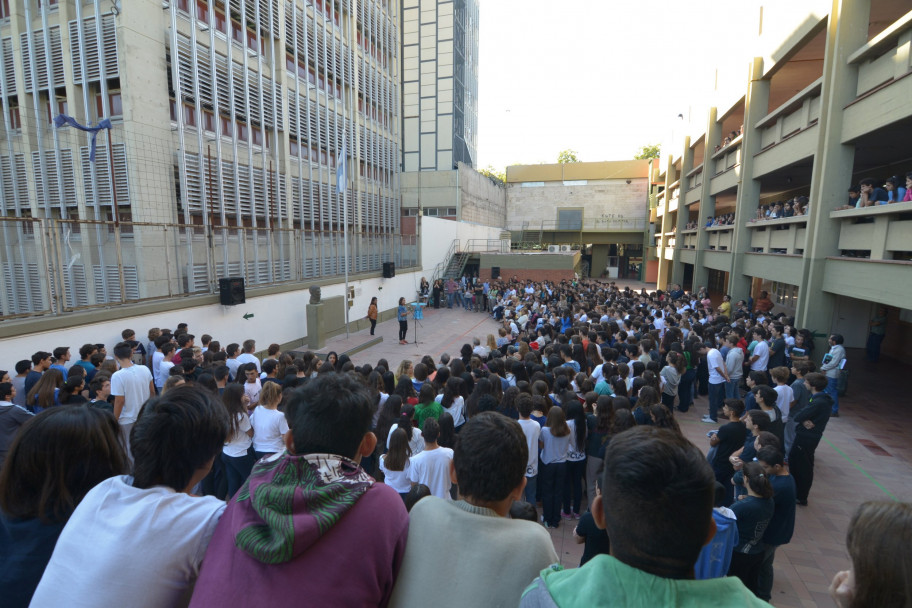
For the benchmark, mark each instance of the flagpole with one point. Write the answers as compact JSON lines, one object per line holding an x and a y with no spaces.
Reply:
{"x":345,"y":218}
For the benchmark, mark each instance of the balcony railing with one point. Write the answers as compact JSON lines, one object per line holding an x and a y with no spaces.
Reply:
{"x":720,"y":238}
{"x":728,"y":157}
{"x":883,"y":232}
{"x":792,"y":117}
{"x":588,"y":224}
{"x":689,"y":239}
{"x":886,"y":57}
{"x":787,"y":235}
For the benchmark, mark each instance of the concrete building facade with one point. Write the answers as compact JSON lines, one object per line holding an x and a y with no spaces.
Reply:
{"x":824,"y":105}
{"x":439,"y":84}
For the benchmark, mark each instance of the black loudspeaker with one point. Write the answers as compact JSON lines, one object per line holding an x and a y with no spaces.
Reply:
{"x":495,"y":272}
{"x":389,"y":270}
{"x":231,"y":291}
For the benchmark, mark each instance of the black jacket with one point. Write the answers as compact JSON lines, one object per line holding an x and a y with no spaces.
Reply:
{"x":818,"y":410}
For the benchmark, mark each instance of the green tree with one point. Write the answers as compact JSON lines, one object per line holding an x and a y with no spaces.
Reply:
{"x":493,"y":174}
{"x":567,"y":156}
{"x":648,"y":151}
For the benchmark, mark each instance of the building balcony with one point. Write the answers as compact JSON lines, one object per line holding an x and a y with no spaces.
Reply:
{"x":884,"y":88}
{"x":723,"y":164}
{"x":689,"y":239}
{"x":881,"y":233}
{"x":720,"y":238}
{"x":783,"y":236}
{"x":789,"y":133}
{"x":693,"y":182}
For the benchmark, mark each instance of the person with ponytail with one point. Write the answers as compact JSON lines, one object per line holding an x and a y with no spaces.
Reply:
{"x":413,"y":435}
{"x":753,"y":513}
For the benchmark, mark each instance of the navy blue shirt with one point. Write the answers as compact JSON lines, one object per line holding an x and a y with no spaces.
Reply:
{"x":782,"y":524}
{"x":25,"y":550}
{"x":753,"y":515}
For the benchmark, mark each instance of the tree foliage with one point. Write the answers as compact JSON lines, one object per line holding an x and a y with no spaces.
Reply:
{"x":567,"y":156}
{"x":648,"y":151}
{"x":494,"y":174}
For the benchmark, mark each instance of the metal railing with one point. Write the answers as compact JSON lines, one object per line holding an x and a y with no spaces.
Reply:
{"x":441,"y":267}
{"x":617,"y":223}
{"x":54,"y":266}
{"x":486,"y":246}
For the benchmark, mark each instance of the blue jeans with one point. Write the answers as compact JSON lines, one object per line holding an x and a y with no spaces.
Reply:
{"x":873,"y":346}
{"x":716,"y":398}
{"x":237,"y":470}
{"x":833,"y":391}
{"x":450,"y":298}
{"x":529,"y":492}
{"x":732,"y":390}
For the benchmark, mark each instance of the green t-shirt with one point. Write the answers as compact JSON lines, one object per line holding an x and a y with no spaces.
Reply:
{"x":606,"y":581}
{"x":423,"y":411}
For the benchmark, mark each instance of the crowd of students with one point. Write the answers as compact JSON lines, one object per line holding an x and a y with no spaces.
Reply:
{"x":354,"y":484}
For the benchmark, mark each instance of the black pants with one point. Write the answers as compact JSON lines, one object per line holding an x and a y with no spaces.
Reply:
{"x":551,"y":477}
{"x":373,"y":325}
{"x":573,"y":486}
{"x":801,"y":465}
{"x":403,"y":330}
{"x":746,"y":566}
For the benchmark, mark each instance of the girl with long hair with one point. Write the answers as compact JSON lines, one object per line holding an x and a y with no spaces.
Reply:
{"x":395,"y":463}
{"x":372,"y":314}
{"x":671,"y":374}
{"x":44,"y":394}
{"x":453,"y":402}
{"x":237,"y":460}
{"x":753,"y":512}
{"x":406,"y":390}
{"x":554,"y":442}
{"x":576,"y":460}
{"x":414,"y":435}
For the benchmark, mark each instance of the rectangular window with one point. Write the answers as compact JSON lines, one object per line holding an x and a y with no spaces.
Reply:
{"x":172,"y":107}
{"x":242,"y":131}
{"x":56,"y":109}
{"x":202,"y":11}
{"x":226,"y":126}
{"x":189,"y":116}
{"x":4,"y":9}
{"x":257,"y":136}
{"x":15,"y":120}
{"x":209,"y":121}
{"x":431,"y":212}
{"x":221,"y":22}
{"x":115,"y":106}
{"x":293,"y":148}
{"x":569,"y":219}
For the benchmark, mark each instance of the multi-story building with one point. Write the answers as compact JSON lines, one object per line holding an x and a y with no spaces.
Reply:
{"x":825,"y":104}
{"x":439,"y":84}
{"x":230,"y":118}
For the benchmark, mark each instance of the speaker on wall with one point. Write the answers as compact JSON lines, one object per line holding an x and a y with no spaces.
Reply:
{"x":495,"y":272}
{"x":231,"y":291}
{"x":389,"y":270}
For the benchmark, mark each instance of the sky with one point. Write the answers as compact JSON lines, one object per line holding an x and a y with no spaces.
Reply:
{"x":587,"y":75}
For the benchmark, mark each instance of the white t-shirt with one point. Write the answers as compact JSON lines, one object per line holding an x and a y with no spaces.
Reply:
{"x":124,"y":546}
{"x":432,"y":468}
{"x":456,"y":410}
{"x":252,"y":390}
{"x":238,"y":444}
{"x":416,"y":442}
{"x":131,"y":383}
{"x":157,"y":359}
{"x":269,"y":428}
{"x":248,"y":358}
{"x":232,"y":367}
{"x":554,"y":449}
{"x":164,"y":370}
{"x":532,"y":431}
{"x":713,"y":360}
{"x":762,"y":351}
{"x":397,"y":480}
{"x":784,"y":398}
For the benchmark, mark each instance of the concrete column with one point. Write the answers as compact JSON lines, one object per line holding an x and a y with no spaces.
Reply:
{"x":707,"y":201}
{"x":833,"y":161}
{"x":687,"y":158}
{"x":663,"y":277}
{"x":756,"y":106}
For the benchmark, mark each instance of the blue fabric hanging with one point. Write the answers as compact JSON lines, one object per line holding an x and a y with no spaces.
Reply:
{"x":62,"y":119}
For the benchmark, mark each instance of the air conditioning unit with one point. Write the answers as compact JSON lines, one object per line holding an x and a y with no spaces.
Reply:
{"x":565,"y":247}
{"x":553,"y":248}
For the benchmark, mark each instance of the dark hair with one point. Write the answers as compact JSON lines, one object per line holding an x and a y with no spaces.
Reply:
{"x":431,"y":430}
{"x":427,"y":394}
{"x":766,"y":393}
{"x":23,"y":366}
{"x":520,"y":509}
{"x":399,"y":451}
{"x":39,"y":357}
{"x":123,"y":350}
{"x":663,"y":418}
{"x":657,"y":500}
{"x":175,"y":435}
{"x":736,"y":406}
{"x":878,"y":540}
{"x":417,"y":492}
{"x":623,"y":421}
{"x":233,"y":400}
{"x":765,"y":438}
{"x":817,"y":381}
{"x":485,"y":439}
{"x":761,"y":419}
{"x":771,"y":455}
{"x":86,"y":350}
{"x":756,"y":478}
{"x":447,"y":437}
{"x":405,"y":418}
{"x":6,"y":389}
{"x":48,"y":484}
{"x":578,"y":416}
{"x":329,"y":415}
{"x":524,"y":404}
{"x":389,"y":413}
{"x":405,"y":388}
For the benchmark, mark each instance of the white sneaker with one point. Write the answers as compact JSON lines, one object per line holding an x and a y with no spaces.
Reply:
{"x":708,"y":420}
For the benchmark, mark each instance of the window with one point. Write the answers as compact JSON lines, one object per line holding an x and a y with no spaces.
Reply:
{"x":569,"y":219}
{"x":15,"y":120}
{"x":114,"y":105}
{"x":409,"y":211}
{"x":4,"y":9}
{"x":786,"y":295}
{"x":257,"y":137}
{"x":172,"y":107}
{"x":241,"y":131}
{"x":451,"y":212}
{"x":189,"y":115}
{"x":431,"y":211}
{"x":202,"y":11}
{"x":59,"y":107}
{"x":226,"y":126}
{"x":209,"y":121}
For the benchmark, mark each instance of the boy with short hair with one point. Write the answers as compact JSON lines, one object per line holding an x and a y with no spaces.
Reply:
{"x":61,"y":356}
{"x":782,"y":525}
{"x":139,"y":541}
{"x":431,"y":466}
{"x":653,"y":548}
{"x":532,"y":431}
{"x":310,"y":526}
{"x":500,"y":555}
{"x":131,"y":386}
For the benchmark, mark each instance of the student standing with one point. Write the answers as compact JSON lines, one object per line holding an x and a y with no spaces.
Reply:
{"x":809,"y":426}
{"x":131,"y":386}
{"x":235,"y":456}
{"x":554,"y":442}
{"x":372,"y":314}
{"x":432,"y":466}
{"x":782,"y":525}
{"x":269,"y":424}
{"x":753,"y":514}
{"x":396,"y":462}
{"x":402,"y":317}
{"x":532,"y":431}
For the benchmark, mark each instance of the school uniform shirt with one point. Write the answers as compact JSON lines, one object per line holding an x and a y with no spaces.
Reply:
{"x":126,"y":546}
{"x":532,"y":431}
{"x":714,"y":360}
{"x":456,"y":410}
{"x":248,"y":358}
{"x":12,"y":417}
{"x":269,"y":428}
{"x":397,"y":480}
{"x":131,"y":383}
{"x":238,"y":444}
{"x":252,"y":390}
{"x":761,"y":351}
{"x":554,"y":449}
{"x":784,"y":398}
{"x":164,"y":370}
{"x":432,"y":468}
{"x":157,"y":377}
{"x":575,"y":453}
{"x":753,"y":515}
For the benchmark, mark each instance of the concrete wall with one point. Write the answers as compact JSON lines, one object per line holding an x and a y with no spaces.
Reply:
{"x":475,"y":197}
{"x":530,"y":266}
{"x":599,"y":199}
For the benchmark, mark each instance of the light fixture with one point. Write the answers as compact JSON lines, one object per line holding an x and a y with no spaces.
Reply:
{"x":166,"y":5}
